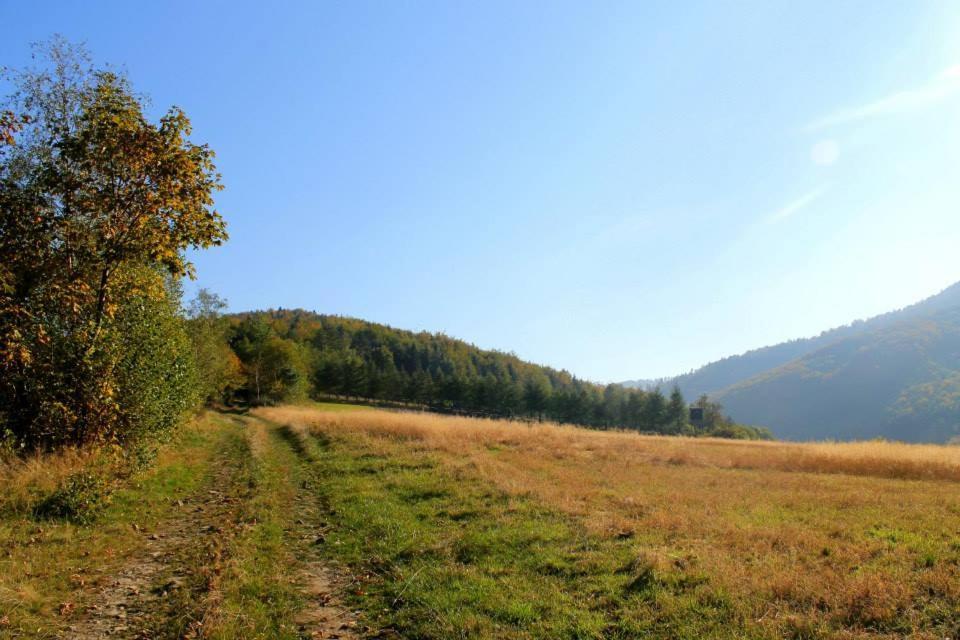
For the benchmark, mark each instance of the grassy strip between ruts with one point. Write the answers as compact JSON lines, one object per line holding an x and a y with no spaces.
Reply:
{"x":446,"y":556}
{"x":258,"y":595}
{"x":201,"y":562}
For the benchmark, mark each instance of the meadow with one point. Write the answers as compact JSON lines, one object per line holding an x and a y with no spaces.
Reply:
{"x":326,"y":520}
{"x":487,"y":528}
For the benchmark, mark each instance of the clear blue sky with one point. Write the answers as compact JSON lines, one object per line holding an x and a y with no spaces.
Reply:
{"x":620,"y":189}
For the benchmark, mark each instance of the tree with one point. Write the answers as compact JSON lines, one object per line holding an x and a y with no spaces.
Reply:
{"x":536,"y":396}
{"x":218,"y":368}
{"x":676,"y":412}
{"x":95,"y":202}
{"x":283,"y":369}
{"x":713,"y":417}
{"x":353,"y":377}
{"x":654,"y":411}
{"x":249,"y":342}
{"x":10,"y":124}
{"x":326,"y":375}
{"x":614,"y":403}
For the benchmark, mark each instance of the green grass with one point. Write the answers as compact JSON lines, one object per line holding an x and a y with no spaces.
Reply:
{"x":444,"y":556}
{"x":258,"y":589}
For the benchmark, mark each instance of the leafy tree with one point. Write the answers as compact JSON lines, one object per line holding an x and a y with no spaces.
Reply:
{"x":283,"y":369}
{"x":249,"y":342}
{"x":713,"y":417}
{"x":10,"y":124}
{"x":95,"y":202}
{"x":218,"y":368}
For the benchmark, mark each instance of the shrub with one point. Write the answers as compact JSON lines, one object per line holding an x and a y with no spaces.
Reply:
{"x":79,"y":499}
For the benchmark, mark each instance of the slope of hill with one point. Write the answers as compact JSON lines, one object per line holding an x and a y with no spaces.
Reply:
{"x":896,"y":375}
{"x":717,"y":376}
{"x":900,"y":382}
{"x":644,"y":384}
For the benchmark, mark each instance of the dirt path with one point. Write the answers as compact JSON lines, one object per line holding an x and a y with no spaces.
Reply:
{"x":129,"y":600}
{"x":319,"y":581}
{"x":163,"y":588}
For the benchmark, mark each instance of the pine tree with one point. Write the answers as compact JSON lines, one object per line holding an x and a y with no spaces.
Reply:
{"x":676,"y":412}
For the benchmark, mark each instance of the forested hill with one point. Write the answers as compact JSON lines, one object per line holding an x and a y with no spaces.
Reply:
{"x":286,"y":354}
{"x":896,"y":375}
{"x":717,"y":376}
{"x":900,"y":381}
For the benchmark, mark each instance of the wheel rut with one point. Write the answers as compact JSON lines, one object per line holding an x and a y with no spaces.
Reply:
{"x":167,"y":587}
{"x":127,"y":603}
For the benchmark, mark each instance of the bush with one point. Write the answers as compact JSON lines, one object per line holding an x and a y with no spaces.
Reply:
{"x":741,"y":432}
{"x":156,"y":375}
{"x":79,"y":499}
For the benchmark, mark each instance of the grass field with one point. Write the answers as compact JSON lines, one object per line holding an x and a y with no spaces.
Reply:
{"x":473,"y":528}
{"x":325,"y":520}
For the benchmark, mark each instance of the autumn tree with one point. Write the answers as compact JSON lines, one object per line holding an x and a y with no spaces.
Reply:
{"x":98,"y":206}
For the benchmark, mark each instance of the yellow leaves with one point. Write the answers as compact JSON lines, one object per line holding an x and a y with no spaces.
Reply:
{"x":9,"y":125}
{"x":89,"y":237}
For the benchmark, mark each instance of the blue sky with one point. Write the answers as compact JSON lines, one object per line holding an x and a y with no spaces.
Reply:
{"x":620,"y":189}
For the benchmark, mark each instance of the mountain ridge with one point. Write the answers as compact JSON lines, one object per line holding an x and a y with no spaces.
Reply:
{"x":893,"y":375}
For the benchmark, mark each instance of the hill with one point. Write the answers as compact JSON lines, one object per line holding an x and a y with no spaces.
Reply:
{"x":900,"y":382}
{"x":896,"y":375}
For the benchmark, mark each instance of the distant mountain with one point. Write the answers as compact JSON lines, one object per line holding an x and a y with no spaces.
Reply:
{"x":896,"y":375}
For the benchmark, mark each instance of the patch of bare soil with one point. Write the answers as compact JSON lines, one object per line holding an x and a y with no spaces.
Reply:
{"x":325,"y":615}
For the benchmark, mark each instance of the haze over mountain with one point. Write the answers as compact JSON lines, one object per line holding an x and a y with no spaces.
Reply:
{"x":896,"y":375}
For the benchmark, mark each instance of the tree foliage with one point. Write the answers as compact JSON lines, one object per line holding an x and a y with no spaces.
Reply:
{"x":97,"y":208}
{"x":219,"y":371}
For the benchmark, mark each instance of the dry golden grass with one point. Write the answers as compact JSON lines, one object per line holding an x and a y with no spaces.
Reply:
{"x":861,"y":537}
{"x":874,"y":458}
